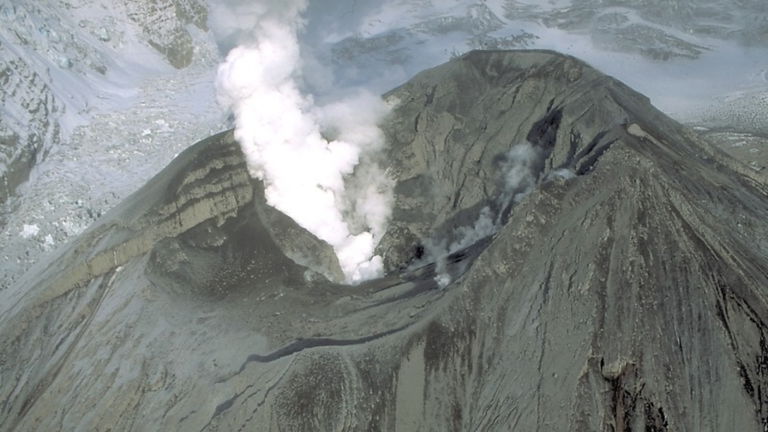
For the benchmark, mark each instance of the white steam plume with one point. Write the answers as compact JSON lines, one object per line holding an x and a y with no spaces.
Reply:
{"x":303,"y":152}
{"x":520,"y":173}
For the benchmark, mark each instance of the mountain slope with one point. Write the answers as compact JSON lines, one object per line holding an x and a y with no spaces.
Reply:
{"x":624,"y":288}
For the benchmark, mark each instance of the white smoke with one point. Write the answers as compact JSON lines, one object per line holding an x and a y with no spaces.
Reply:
{"x":304,"y":153}
{"x":520,"y":169}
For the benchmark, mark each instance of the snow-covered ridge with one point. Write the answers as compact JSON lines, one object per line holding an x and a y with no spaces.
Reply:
{"x":674,"y":51}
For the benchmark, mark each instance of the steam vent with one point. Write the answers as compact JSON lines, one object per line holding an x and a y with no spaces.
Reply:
{"x":628,"y":291}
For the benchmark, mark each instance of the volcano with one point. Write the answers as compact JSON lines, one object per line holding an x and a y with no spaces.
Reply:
{"x":626,"y":290}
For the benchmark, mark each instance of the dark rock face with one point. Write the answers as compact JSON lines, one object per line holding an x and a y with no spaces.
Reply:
{"x":29,"y":126}
{"x":630,"y":295}
{"x":454,"y":122}
{"x":165,"y":25}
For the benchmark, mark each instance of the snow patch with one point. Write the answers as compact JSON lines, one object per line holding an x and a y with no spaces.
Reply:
{"x":28,"y":231}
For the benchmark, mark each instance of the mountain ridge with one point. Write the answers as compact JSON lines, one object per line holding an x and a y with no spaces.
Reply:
{"x":627,"y":295}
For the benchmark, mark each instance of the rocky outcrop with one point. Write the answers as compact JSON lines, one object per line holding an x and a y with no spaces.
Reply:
{"x":164,"y":24}
{"x":626,"y":295}
{"x":29,"y":120}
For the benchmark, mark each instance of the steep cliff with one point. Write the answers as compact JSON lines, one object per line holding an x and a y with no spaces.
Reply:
{"x":29,"y":123}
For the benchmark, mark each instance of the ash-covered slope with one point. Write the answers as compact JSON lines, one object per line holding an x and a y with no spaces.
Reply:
{"x":626,"y":291}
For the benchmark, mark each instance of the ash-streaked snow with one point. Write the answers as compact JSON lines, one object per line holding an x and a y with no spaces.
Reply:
{"x":104,"y":161}
{"x":125,"y":112}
